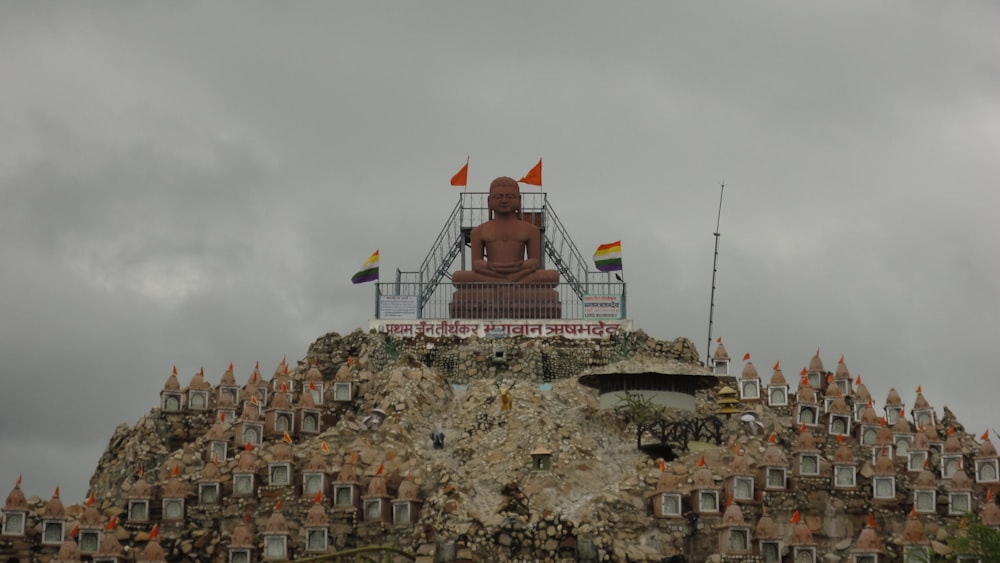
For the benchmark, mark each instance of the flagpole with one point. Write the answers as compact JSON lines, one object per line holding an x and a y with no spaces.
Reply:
{"x":715,"y":269}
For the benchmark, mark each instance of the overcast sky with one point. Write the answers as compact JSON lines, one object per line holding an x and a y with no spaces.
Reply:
{"x":194,"y":183}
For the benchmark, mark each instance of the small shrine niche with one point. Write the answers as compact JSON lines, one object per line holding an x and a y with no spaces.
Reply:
{"x":406,"y":507}
{"x":171,"y":398}
{"x":313,"y":384}
{"x":734,"y":532}
{"x":916,"y":546}
{"x":749,"y":383}
{"x":241,"y":546}
{"x":720,"y":360}
{"x":139,"y":498}
{"x":808,"y":408}
{"x":249,"y":429}
{"x":347,"y":489}
{"x":868,"y":429}
{"x":774,"y":466}
{"x":803,"y":546}
{"x":839,"y":418}
{"x":228,"y":391}
{"x":808,"y":454}
{"x":862,"y":399}
{"x":307,"y":416}
{"x":343,"y":384}
{"x":279,"y":471}
{"x":54,"y":522}
{"x":275,"y":536}
{"x":923,"y":413}
{"x":740,"y":483}
{"x":198,"y":392}
{"x":845,"y":467}
{"x":768,"y":539}
{"x":894,"y":407}
{"x":279,"y":418}
{"x":110,"y":550}
{"x":951,"y":457}
{"x":314,"y":477}
{"x":666,"y":498}
{"x":210,"y":485}
{"x":987,"y":463}
{"x":245,"y":475}
{"x":884,"y":480}
{"x":868,"y":548}
{"x":842,"y":378}
{"x":777,"y":389}
{"x":902,"y":436}
{"x":173,"y":495}
{"x":924,"y":489}
{"x":376,"y":503}
{"x":959,"y":494}
{"x":91,"y":526}
{"x":815,"y":374}
{"x":317,"y":528}
{"x":15,"y":512}
{"x":541,"y":459}
{"x":704,"y":492}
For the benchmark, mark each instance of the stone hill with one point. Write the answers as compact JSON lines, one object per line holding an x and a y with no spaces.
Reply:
{"x":531,"y":468}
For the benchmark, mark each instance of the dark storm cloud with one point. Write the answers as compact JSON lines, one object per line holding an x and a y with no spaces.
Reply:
{"x":193,"y":184}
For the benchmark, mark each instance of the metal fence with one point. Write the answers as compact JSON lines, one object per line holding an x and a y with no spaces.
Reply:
{"x":405,"y":300}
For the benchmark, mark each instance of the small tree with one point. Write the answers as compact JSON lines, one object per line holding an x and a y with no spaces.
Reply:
{"x":975,"y":538}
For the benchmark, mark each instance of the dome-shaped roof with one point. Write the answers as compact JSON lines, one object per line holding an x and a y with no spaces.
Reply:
{"x":306,"y":400}
{"x":314,"y":374}
{"x":15,"y":499}
{"x":140,"y":490}
{"x":249,"y":392}
{"x":920,"y":442}
{"x":740,"y":465}
{"x":720,"y":352}
{"x":172,"y":384}
{"x":806,"y":395}
{"x":90,"y":518}
{"x":153,"y":553}
{"x":868,"y":414}
{"x":842,"y":371}
{"x":255,"y":377}
{"x":868,"y":541}
{"x":816,"y":364}
{"x":902,"y":426}
{"x":347,"y":472}
{"x":228,"y":378}
{"x":54,"y":508}
{"x":913,"y":532}
{"x":893,"y":399}
{"x":281,"y":368}
{"x":839,"y":406}
{"x":774,"y":455}
{"x":884,"y":436}
{"x":884,"y":466}
{"x":241,"y":537}
{"x":990,"y":514}
{"x":749,"y":372}
{"x":247,"y":462}
{"x":68,"y":552}
{"x":703,"y":478}
{"x":844,"y":455}
{"x":317,"y":463}
{"x":801,"y":535}
{"x":987,"y":449}
{"x":174,"y":489}
{"x":733,"y":516}
{"x":276,"y":524}
{"x":806,"y":443}
{"x":280,"y":401}
{"x":377,"y":487}
{"x":198,"y":382}
{"x":211,"y":472}
{"x":408,"y":489}
{"x":921,"y":402}
{"x":766,"y":528}
{"x":282,"y":452}
{"x":219,"y":432}
{"x":960,"y":481}
{"x":225,"y":401}
{"x":317,"y":516}
{"x":931,"y":432}
{"x":861,"y":393}
{"x":344,"y":373}
{"x":952,"y":445}
{"x":925,"y":480}
{"x":110,"y":546}
{"x":832,"y":390}
{"x":778,"y":378}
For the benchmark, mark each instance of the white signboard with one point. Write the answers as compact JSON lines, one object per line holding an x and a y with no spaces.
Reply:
{"x":602,"y":306}
{"x":397,"y":307}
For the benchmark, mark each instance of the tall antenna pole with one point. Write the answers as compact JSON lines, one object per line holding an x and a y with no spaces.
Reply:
{"x":715,"y":269}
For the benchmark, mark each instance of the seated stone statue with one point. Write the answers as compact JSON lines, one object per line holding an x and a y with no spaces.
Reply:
{"x":506,"y":281}
{"x":505,"y":248}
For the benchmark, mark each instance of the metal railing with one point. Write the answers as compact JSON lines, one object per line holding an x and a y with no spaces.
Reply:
{"x":402,"y":300}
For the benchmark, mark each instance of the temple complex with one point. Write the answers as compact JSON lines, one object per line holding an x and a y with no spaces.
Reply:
{"x":507,"y":410}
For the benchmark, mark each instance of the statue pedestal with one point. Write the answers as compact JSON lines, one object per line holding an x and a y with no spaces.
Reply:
{"x":505,"y":301}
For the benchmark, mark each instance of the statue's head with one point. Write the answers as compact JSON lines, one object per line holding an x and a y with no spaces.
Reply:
{"x":505,"y":196}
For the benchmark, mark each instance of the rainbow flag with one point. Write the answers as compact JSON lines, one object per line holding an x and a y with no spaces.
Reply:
{"x":608,"y":257}
{"x":369,"y":270}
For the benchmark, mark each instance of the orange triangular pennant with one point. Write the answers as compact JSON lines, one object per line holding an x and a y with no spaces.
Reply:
{"x":534,"y":176}
{"x":461,"y":178}
{"x":154,"y":532}
{"x":796,"y":517}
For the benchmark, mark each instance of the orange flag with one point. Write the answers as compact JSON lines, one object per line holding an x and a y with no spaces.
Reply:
{"x":248,"y":447}
{"x":701,"y":462}
{"x":802,"y":428}
{"x":248,"y":517}
{"x":773,"y":438}
{"x":985,"y":436}
{"x":777,"y":365}
{"x":718,"y":340}
{"x":319,"y":497}
{"x":18,"y":484}
{"x":354,"y":458}
{"x":857,"y":381}
{"x":154,"y":532}
{"x":461,"y":178}
{"x":381,"y":466}
{"x":871,"y":519}
{"x":663,"y":465}
{"x":840,"y":438}
{"x":112,"y":523}
{"x":279,"y":505}
{"x":796,"y":517}
{"x":75,"y":531}
{"x":951,"y":430}
{"x":989,"y":495}
{"x":286,"y":437}
{"x":222,"y":416}
{"x":913,"y":511}
{"x":91,"y":499}
{"x":920,"y":388}
{"x":55,"y":494}
{"x":841,"y":360}
{"x":141,"y":471}
{"x":253,"y":400}
{"x":534,"y":176}
{"x":175,"y":471}
{"x":746,"y":357}
{"x":312,"y":386}
{"x":324,"y":447}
